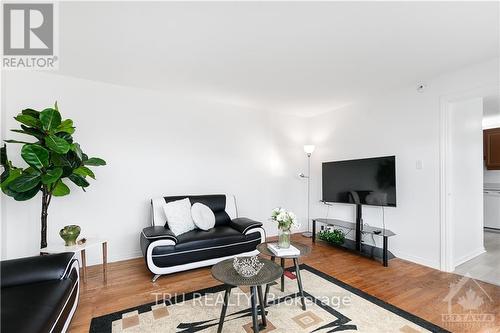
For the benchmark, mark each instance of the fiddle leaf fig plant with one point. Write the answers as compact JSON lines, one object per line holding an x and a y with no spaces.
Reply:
{"x":52,"y":157}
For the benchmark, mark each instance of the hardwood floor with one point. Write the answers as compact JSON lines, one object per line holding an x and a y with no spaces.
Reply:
{"x":417,"y":289}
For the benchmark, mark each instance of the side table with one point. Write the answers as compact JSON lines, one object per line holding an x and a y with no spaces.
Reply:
{"x":304,"y":250}
{"x":60,"y":247}
{"x":225,"y":273}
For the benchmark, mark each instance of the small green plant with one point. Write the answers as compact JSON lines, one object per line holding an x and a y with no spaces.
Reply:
{"x":51,"y":159}
{"x":335,"y":236}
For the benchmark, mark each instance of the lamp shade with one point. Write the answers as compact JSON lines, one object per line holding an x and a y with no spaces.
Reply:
{"x":309,"y":149}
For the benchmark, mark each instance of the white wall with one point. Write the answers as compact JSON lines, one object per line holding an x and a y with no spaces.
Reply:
{"x":404,"y":123}
{"x":466,"y":200}
{"x":154,"y":145}
{"x":157,"y":144}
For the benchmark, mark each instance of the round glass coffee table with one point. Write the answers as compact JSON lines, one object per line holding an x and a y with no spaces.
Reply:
{"x":225,"y":273}
{"x":304,"y":250}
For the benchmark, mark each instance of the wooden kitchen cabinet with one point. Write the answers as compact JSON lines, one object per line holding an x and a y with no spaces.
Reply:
{"x":492,"y":148}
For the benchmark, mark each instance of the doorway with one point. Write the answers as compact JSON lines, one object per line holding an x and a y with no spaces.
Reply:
{"x":463,"y":237}
{"x":486,"y":266}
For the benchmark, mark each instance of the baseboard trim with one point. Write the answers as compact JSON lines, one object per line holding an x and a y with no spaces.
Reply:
{"x":415,"y":259}
{"x":398,"y":254}
{"x":469,"y":256}
{"x":494,"y":230}
{"x":127,"y":256}
{"x":115,"y":258}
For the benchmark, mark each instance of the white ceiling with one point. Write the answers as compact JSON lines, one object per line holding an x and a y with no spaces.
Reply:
{"x":294,"y":57}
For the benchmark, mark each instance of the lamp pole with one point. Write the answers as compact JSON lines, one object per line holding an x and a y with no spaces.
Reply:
{"x":308,"y":149}
{"x":308,"y":233}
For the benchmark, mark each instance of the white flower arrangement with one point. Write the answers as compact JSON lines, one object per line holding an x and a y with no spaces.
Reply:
{"x":286,"y":220}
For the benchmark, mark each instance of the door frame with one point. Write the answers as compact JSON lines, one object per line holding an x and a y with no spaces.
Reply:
{"x":446,"y":225}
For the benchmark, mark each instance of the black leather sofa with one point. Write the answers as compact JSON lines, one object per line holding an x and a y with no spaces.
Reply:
{"x":39,"y":294}
{"x":232,"y":236}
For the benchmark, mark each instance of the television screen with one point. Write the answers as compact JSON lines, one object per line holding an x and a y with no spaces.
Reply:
{"x":369,"y":181}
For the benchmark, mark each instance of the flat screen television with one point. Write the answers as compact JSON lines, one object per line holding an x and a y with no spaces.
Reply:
{"x":369,"y":181}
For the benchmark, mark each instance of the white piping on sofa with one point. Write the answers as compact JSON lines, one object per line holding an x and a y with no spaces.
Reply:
{"x":74,"y":265}
{"x":178,"y":268}
{"x":203,"y":249}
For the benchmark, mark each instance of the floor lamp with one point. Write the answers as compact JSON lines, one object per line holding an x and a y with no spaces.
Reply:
{"x":308,"y":149}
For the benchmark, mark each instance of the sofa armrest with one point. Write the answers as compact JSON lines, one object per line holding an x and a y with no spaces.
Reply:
{"x":35,"y":269}
{"x":157,"y":233}
{"x":243,"y":224}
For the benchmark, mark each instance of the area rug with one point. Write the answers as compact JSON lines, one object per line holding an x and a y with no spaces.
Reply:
{"x":332,"y":306}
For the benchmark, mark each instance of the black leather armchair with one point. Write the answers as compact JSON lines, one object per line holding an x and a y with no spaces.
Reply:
{"x":39,"y":294}
{"x":166,"y":253}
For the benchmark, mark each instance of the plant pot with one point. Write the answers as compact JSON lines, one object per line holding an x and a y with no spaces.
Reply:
{"x":284,"y":238}
{"x":70,"y":233}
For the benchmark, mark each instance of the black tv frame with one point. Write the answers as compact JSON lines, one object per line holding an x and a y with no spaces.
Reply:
{"x":360,"y":159}
{"x":359,"y":206}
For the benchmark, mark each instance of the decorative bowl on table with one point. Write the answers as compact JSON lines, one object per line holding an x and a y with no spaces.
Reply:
{"x":247,"y":266}
{"x":69,"y":234}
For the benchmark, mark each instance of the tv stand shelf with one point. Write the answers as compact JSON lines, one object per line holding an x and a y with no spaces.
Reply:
{"x":357,"y":245}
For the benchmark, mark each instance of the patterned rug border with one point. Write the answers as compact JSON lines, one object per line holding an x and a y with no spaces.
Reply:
{"x":102,"y":324}
{"x":377,"y":301}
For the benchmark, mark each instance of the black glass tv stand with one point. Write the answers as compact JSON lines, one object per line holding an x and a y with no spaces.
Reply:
{"x":357,"y":244}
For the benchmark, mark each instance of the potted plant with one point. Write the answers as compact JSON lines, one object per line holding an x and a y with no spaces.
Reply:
{"x":335,"y":236}
{"x":52,"y":158}
{"x":286,"y":221}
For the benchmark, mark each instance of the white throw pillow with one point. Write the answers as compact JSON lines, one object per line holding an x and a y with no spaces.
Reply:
{"x":178,"y":215}
{"x":203,"y":216}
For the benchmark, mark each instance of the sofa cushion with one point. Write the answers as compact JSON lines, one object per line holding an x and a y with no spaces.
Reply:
{"x":201,"y":239}
{"x":216,"y":202}
{"x":198,"y":245}
{"x":36,"y":307}
{"x":203,"y":216}
{"x":178,"y":215}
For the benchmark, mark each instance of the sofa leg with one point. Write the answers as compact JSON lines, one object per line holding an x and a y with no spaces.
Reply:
{"x":155,"y":277}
